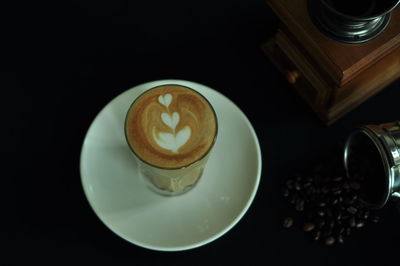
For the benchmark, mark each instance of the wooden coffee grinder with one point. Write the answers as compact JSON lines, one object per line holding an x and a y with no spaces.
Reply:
{"x":336,"y":53}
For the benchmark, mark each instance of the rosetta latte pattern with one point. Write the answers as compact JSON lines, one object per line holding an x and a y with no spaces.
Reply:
{"x":170,"y":140}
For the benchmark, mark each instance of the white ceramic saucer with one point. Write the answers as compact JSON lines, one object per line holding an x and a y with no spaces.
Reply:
{"x":132,"y":211}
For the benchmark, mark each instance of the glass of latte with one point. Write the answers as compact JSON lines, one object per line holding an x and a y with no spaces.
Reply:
{"x":171,"y":130}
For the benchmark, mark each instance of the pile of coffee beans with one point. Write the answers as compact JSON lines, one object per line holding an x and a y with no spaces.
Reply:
{"x":328,"y":203}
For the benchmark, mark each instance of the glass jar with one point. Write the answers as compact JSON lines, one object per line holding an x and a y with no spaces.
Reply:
{"x":372,"y":153}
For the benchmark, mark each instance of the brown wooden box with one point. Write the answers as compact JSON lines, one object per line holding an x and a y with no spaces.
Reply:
{"x":332,"y":77}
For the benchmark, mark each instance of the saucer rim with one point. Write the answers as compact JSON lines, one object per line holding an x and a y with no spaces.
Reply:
{"x":229,"y":226}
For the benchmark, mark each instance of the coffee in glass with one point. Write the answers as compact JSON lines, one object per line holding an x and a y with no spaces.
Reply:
{"x":171,"y":130}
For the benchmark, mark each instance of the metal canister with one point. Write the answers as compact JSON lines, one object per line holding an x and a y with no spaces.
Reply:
{"x":372,"y":153}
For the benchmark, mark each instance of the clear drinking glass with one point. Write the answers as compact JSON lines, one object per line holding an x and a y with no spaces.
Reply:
{"x":169,"y":114}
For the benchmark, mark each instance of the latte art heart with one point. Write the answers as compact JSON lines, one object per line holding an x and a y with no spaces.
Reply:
{"x":170,"y":120}
{"x":165,"y":99}
{"x":170,"y":141}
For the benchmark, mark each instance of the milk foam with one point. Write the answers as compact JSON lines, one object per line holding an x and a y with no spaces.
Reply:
{"x":171,"y":126}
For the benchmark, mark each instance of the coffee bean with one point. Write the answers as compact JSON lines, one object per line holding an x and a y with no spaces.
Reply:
{"x":288,"y":222}
{"x":340,"y":198}
{"x":334,"y":201}
{"x":309,"y":179}
{"x":352,"y":210}
{"x":321,"y":212}
{"x":285,"y":192}
{"x":340,"y":239}
{"x":331,"y":224}
{"x":289,"y":183}
{"x":347,"y":232}
{"x":324,"y":190}
{"x":345,"y":216}
{"x":360,"y":224}
{"x":336,"y":190}
{"x":297,"y":186}
{"x":299,"y":205}
{"x":322,"y":204}
{"x":346,"y":186}
{"x":308,"y":227}
{"x":350,"y":198}
{"x":293,"y":199}
{"x":355,"y":185}
{"x":375,"y":219}
{"x":342,"y":230}
{"x":329,"y":241}
{"x":338,"y":215}
{"x":337,"y":179}
{"x":348,"y":201}
{"x":317,"y":235}
{"x":358,"y":204}
{"x":307,"y":185}
{"x":366,"y":214}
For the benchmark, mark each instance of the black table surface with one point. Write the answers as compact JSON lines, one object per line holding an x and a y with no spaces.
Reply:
{"x":67,"y":60}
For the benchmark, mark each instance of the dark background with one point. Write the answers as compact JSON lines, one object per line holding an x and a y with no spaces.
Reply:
{"x":65,"y":61}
